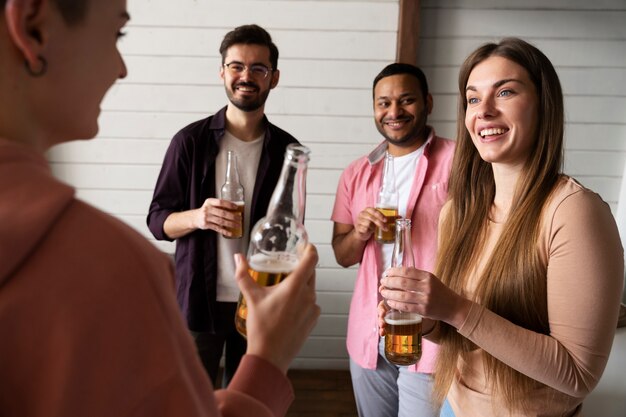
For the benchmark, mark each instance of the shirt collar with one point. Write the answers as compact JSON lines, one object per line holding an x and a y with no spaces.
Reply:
{"x":379,"y":152}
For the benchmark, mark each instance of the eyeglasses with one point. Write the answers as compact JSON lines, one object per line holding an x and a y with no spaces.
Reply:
{"x":257,"y":70}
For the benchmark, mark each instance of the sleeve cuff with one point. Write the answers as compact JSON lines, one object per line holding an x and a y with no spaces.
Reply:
{"x":263,"y":381}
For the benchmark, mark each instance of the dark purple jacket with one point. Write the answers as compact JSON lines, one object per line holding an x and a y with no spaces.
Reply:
{"x":186,"y":180}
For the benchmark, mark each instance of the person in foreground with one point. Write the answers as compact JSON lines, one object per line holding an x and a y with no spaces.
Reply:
{"x":530,"y":269}
{"x":89,"y":322}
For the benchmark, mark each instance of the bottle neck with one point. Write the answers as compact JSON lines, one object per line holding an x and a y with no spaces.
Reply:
{"x":289,"y":196}
{"x":403,"y":247}
{"x":232,"y":173}
{"x":388,"y":194}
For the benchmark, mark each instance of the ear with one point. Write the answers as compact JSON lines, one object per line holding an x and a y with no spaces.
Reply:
{"x":24,"y":19}
{"x":222,"y":72}
{"x":429,"y":103}
{"x":275,"y":78}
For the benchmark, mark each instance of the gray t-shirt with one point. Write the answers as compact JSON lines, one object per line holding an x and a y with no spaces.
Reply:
{"x":248,"y":156}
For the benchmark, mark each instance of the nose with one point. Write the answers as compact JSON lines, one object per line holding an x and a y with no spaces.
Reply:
{"x":395,"y":109}
{"x":487,"y":108}
{"x":123,"y":69}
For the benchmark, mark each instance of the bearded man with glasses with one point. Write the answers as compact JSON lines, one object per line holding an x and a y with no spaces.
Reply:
{"x":187,"y":207}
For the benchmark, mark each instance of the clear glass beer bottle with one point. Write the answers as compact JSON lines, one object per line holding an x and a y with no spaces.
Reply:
{"x":232,"y":190}
{"x":403,"y":330}
{"x":278,"y":240}
{"x":387,"y":202}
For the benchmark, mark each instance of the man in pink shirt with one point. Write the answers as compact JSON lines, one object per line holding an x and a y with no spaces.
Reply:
{"x":422,"y":165}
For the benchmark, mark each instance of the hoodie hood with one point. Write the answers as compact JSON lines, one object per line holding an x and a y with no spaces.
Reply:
{"x":31,"y":201}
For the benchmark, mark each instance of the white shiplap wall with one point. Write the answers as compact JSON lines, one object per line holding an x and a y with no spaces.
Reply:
{"x":330,"y":51}
{"x":586,"y":42}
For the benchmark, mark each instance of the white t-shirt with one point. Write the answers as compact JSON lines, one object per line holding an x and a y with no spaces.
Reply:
{"x":248,"y":156}
{"x":404,"y":167}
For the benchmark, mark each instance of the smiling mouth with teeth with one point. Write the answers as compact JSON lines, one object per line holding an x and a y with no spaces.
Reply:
{"x":490,"y":132}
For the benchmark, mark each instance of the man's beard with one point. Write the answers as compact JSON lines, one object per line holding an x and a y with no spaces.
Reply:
{"x":245,"y":104}
{"x":414,"y":135}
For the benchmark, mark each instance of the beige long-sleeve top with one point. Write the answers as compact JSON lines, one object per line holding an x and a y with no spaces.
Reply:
{"x":580,"y":245}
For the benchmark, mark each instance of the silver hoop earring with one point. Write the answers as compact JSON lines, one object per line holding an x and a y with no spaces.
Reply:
{"x":42,"y":69}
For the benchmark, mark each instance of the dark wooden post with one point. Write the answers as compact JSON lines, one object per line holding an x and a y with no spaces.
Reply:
{"x":408,"y":31}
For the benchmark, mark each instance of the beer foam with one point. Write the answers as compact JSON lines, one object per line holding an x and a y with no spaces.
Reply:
{"x":413,"y":318}
{"x":279,"y":262}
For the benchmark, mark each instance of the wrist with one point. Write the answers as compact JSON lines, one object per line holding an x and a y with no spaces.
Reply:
{"x":461,"y":313}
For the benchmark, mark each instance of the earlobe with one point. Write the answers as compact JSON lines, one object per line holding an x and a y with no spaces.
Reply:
{"x":23,"y":19}
{"x":429,"y":103}
{"x":275,"y":78}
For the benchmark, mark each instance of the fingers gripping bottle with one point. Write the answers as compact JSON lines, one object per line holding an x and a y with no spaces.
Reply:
{"x":403,"y":330}
{"x":387,"y":202}
{"x":278,"y":240}
{"x":232,"y":190}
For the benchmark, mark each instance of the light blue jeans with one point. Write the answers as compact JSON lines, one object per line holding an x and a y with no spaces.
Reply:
{"x":391,"y":391}
{"x":446,"y":410}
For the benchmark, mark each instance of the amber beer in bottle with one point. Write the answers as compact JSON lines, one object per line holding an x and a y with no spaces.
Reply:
{"x":403,"y":329}
{"x":232,"y":190}
{"x":278,"y":240}
{"x":387,"y":202}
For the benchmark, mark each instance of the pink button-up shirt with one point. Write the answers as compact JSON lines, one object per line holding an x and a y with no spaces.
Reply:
{"x":358,"y":188}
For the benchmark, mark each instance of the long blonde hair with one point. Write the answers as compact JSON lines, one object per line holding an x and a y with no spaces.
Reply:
{"x":513,"y":283}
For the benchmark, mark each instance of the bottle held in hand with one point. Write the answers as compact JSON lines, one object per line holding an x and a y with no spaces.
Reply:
{"x":232,"y":190}
{"x":403,"y":329}
{"x":278,"y":240}
{"x":387,"y":202}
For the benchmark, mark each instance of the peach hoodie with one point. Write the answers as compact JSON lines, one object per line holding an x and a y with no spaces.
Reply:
{"x":89,"y":324}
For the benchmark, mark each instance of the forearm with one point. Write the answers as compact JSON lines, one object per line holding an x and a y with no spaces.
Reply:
{"x":180,"y":224}
{"x":256,"y":388}
{"x":348,"y":248}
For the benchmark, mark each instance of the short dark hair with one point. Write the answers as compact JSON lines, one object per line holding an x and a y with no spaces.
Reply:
{"x":401,"y":68}
{"x":73,"y":11}
{"x":250,"y":35}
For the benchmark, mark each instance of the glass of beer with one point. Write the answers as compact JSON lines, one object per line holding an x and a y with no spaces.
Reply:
{"x":266,"y":270}
{"x":403,"y":337}
{"x":237,"y":233}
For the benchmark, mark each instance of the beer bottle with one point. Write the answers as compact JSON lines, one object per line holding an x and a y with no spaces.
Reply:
{"x":278,"y":239}
{"x":387,"y":202}
{"x":403,"y":330}
{"x":232,"y":190}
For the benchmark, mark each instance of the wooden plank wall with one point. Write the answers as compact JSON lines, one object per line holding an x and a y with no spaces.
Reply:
{"x":585,"y":40}
{"x":330,"y":52}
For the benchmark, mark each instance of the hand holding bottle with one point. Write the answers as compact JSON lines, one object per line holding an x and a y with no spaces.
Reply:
{"x":414,"y":290}
{"x":281,"y":316}
{"x":368,"y":220}
{"x":218,"y":215}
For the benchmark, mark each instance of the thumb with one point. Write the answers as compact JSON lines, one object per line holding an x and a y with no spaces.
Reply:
{"x":245,"y":282}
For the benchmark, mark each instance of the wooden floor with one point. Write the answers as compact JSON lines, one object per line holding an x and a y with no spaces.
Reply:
{"x":322,"y":394}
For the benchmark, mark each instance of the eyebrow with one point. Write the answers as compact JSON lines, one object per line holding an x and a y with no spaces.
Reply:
{"x":401,"y":96}
{"x":496,"y":84}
